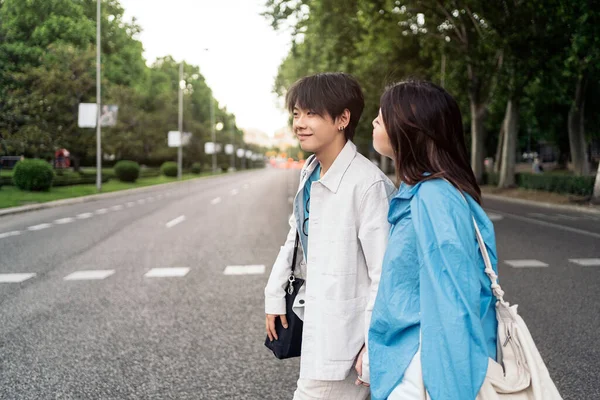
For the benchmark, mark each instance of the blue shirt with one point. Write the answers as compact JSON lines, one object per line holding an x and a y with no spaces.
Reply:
{"x":315,"y":176}
{"x":433,"y":284}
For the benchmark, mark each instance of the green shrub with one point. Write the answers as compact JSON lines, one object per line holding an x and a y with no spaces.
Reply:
{"x":225,"y":167}
{"x":569,"y":184}
{"x":196,"y":168}
{"x":33,"y":175}
{"x":169,"y":168}
{"x":127,"y":171}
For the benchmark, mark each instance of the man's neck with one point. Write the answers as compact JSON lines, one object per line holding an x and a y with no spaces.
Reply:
{"x":328,"y":155}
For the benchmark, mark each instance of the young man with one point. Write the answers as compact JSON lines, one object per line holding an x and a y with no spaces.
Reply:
{"x":340,"y":213}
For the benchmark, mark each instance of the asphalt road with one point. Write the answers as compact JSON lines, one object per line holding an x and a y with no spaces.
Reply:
{"x":200,"y":334}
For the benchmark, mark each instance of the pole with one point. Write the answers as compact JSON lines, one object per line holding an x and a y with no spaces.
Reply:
{"x":180,"y":149}
{"x":233,"y":148}
{"x":98,"y":104}
{"x":214,"y":134}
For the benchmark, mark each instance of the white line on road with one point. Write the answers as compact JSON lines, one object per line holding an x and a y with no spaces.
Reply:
{"x":244,"y":270}
{"x":15,"y":278}
{"x":550,"y":224}
{"x":116,"y":208}
{"x":149,"y":199}
{"x":526,"y":263}
{"x":101,"y":211}
{"x":166,"y":272}
{"x":215,"y":201}
{"x":89,"y":275}
{"x":586,"y":262}
{"x":141,"y":201}
{"x":130,"y":204}
{"x":9,"y":234}
{"x":176,"y":221}
{"x":234,"y":192}
{"x":85,"y":215}
{"x":495,"y":217}
{"x":63,"y":221}
{"x":39,"y":227}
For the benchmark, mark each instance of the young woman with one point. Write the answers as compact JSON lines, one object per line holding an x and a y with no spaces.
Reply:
{"x":433,"y":326}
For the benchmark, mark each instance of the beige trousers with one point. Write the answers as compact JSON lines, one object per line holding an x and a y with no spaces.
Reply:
{"x":331,"y":390}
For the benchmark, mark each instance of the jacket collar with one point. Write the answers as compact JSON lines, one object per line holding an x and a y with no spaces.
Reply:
{"x":333,"y":177}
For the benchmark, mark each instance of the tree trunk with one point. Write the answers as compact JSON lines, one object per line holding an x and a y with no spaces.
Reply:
{"x":576,"y":130}
{"x":499,"y":147}
{"x":596,"y":194}
{"x":477,"y":138}
{"x":511,"y":130}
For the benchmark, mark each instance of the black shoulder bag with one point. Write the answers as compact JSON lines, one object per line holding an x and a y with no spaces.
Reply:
{"x":289,"y":343}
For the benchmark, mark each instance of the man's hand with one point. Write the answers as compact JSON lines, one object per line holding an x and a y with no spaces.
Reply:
{"x":358,"y":367}
{"x":270,"y":325}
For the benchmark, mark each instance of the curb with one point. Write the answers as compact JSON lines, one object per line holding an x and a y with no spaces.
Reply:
{"x":91,"y":197}
{"x":584,"y":209}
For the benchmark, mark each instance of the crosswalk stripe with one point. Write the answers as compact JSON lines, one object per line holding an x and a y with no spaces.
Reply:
{"x":586,"y":262}
{"x":244,"y":270}
{"x":15,"y":278}
{"x":89,"y":275}
{"x":167,"y":272}
{"x":526,"y":263}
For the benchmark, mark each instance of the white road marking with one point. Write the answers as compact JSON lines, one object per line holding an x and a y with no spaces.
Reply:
{"x":63,"y":221}
{"x":39,"y":227}
{"x":130,"y":204}
{"x":141,"y":201}
{"x":167,"y":272}
{"x":244,"y":270}
{"x":15,"y":278}
{"x":9,"y":234}
{"x":101,"y":211}
{"x":245,"y":186}
{"x":526,"y":263}
{"x":216,"y":201}
{"x":550,"y":224}
{"x":85,"y":215}
{"x":234,"y":192}
{"x":176,"y":221}
{"x":586,"y":262}
{"x":116,"y":208}
{"x":89,"y":275}
{"x":495,"y":217}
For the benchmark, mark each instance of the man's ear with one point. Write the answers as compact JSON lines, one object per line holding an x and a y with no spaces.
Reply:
{"x":344,"y":119}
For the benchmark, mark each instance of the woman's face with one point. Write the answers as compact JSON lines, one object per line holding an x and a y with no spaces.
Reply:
{"x":381,"y":140}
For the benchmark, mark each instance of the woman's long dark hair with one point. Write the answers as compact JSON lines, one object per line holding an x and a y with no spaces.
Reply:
{"x":425,"y":127}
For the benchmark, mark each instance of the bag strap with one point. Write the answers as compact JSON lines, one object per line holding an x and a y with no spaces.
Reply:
{"x":489,"y":270}
{"x":297,"y":242}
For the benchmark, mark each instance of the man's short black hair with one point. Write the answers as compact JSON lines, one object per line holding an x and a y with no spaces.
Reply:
{"x":330,"y":94}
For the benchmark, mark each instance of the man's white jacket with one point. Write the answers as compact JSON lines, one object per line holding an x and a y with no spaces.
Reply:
{"x":348,"y":233}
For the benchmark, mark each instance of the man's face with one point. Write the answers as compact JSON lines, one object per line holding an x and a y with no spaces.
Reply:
{"x":314,"y":132}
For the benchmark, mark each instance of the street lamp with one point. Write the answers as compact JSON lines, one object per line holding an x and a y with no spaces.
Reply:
{"x":182,"y":85}
{"x":215,"y":127}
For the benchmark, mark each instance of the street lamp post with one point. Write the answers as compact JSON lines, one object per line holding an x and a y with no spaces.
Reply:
{"x":98,"y":103}
{"x":214,"y":134}
{"x":232,"y":167}
{"x":180,"y":123}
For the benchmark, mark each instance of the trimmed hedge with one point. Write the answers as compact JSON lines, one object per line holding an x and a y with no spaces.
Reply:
{"x":169,"y":168}
{"x":577,"y":185}
{"x":196,"y":168}
{"x":566,"y":184}
{"x":33,"y":175}
{"x":127,"y":171}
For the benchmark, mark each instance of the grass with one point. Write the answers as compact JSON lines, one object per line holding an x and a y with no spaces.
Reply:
{"x":11,"y":196}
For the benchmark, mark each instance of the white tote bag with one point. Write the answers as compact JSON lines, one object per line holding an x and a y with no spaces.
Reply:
{"x":519,"y":373}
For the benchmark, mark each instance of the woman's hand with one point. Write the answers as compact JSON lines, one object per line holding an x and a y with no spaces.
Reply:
{"x":358,"y":367}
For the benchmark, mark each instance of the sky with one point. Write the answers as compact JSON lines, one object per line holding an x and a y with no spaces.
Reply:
{"x":244,"y":52}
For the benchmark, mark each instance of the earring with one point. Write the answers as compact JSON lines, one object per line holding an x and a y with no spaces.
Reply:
{"x":341,"y":128}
